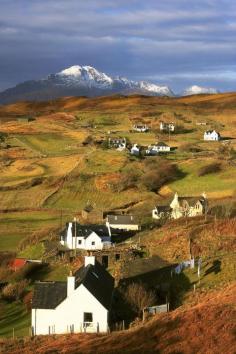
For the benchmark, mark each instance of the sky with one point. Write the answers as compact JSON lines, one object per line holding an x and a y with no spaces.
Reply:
{"x":174,"y":42}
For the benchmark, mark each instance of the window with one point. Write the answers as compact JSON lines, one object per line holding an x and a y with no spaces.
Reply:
{"x":93,"y":243}
{"x":79,"y":242}
{"x":117,"y":256}
{"x":88,"y":317}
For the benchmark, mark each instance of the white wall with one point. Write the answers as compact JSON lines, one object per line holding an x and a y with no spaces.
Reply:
{"x":123,"y":227}
{"x":70,"y":312}
{"x":82,"y":242}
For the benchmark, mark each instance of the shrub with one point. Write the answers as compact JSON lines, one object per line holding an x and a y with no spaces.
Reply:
{"x":138,"y":297}
{"x":14,"y":291}
{"x":211,"y":168}
{"x":159,"y":172}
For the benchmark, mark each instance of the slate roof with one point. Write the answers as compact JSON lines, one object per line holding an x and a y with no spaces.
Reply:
{"x":121,"y":219}
{"x":48,"y":295}
{"x":97,"y":281}
{"x":162,"y":144}
{"x":88,"y":208}
{"x":193,"y":200}
{"x":86,"y":230}
{"x":163,"y":208}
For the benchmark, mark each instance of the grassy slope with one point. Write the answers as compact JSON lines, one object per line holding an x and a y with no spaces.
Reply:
{"x":206,"y":327}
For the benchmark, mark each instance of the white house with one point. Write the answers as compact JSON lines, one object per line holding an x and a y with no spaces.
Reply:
{"x":141,"y":128}
{"x":87,"y":237}
{"x":182,"y":207}
{"x":161,"y":212}
{"x":167,"y":127}
{"x":157,"y":148}
{"x":122,"y":222}
{"x":211,"y":135}
{"x":80,"y":304}
{"x":135,"y":150}
{"x":118,"y":143}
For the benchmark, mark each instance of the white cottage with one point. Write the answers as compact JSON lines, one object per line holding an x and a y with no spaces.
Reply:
{"x":80,"y":304}
{"x":157,"y":148}
{"x":211,"y":135}
{"x":181,"y":207}
{"x":122,"y":222}
{"x":167,"y":127}
{"x":87,"y":237}
{"x":135,"y":150}
{"x":141,"y":128}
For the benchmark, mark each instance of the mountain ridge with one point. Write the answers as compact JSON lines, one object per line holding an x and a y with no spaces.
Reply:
{"x":88,"y":81}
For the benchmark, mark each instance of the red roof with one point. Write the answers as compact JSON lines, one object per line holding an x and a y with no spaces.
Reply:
{"x":18,"y":263}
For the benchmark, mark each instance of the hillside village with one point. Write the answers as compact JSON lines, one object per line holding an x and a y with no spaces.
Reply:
{"x":114,"y":212}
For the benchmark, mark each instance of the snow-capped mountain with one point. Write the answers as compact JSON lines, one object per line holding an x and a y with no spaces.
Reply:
{"x":197,"y":90}
{"x":80,"y":81}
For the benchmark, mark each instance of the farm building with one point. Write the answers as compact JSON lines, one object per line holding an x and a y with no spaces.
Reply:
{"x":157,"y":148}
{"x":135,"y":150}
{"x":117,"y":143}
{"x":141,"y":128}
{"x":182,"y":207}
{"x":167,"y":127}
{"x":86,"y":237}
{"x":81,"y":304}
{"x":211,"y":135}
{"x":91,"y":213}
{"x":122,"y":222}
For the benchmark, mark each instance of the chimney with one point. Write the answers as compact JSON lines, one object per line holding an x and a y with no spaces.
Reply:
{"x":70,"y":284}
{"x":89,"y":260}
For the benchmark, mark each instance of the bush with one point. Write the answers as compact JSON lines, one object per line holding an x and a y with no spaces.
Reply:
{"x":14,"y":291}
{"x":212,"y":168}
{"x":138,"y":297}
{"x":159,"y":172}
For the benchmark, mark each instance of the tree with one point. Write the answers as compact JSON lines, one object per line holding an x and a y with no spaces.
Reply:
{"x":139,"y":297}
{"x":3,"y":137}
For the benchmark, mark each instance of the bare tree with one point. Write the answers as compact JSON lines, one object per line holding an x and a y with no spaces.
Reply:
{"x":139,"y":297}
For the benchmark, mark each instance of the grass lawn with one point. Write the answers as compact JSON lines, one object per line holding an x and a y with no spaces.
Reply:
{"x":14,"y":315}
{"x":49,"y":143}
{"x":220,"y":184}
{"x":16,"y":226}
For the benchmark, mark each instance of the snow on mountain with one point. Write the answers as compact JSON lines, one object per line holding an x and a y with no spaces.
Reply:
{"x":90,"y":77}
{"x":85,"y":75}
{"x":197,"y":90}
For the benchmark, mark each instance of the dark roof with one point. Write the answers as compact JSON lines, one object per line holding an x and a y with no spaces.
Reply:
{"x":211,"y":131}
{"x":98,"y":282}
{"x":121,"y":219}
{"x":161,"y":144}
{"x":163,"y":208}
{"x":88,"y":208}
{"x":193,"y":200}
{"x":48,"y":295}
{"x":86,"y":230}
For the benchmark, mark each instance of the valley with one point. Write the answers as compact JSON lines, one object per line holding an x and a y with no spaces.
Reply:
{"x":58,"y":162}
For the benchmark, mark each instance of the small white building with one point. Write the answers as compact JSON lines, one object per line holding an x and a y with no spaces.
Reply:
{"x":161,"y":212}
{"x":211,"y":135}
{"x":141,"y":128}
{"x":157,"y":148}
{"x":135,"y":150}
{"x":117,"y":143}
{"x":167,"y":127}
{"x":122,"y":222}
{"x":87,"y":237}
{"x":80,"y":304}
